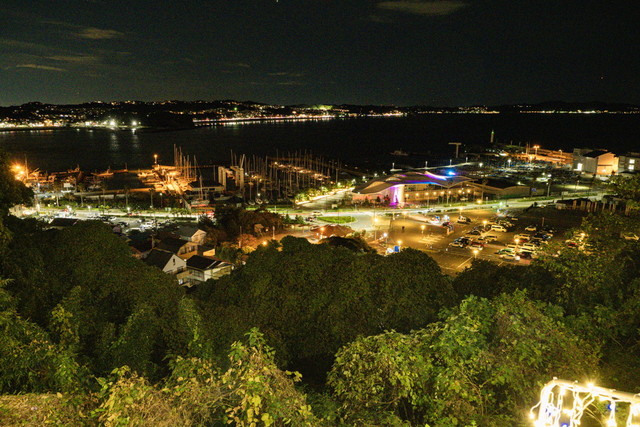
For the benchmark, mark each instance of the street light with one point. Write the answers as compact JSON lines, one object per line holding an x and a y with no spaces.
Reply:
{"x":422,"y":229}
{"x":155,"y":159}
{"x":475,"y":253}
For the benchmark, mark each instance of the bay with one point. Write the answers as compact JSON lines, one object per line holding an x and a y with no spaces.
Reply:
{"x":365,"y":142}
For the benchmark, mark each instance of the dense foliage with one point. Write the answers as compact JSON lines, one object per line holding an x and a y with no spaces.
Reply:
{"x":331,"y":294}
{"x":482,"y":363}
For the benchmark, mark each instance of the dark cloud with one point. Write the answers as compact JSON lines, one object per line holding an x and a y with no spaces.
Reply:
{"x":285,"y":74}
{"x":421,"y":7}
{"x":291,"y":83}
{"x":99,"y":34}
{"x":237,"y":64}
{"x":75,"y":59}
{"x":41,"y":67}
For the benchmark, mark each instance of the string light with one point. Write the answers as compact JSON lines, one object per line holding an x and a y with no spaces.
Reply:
{"x":563,"y":403}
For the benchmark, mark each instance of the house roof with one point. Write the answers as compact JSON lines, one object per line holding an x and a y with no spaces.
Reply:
{"x":204,"y":263}
{"x":141,"y":245}
{"x":380,"y":184}
{"x":596,"y":153}
{"x":187,"y":230}
{"x":172,"y":244}
{"x":158,"y":258}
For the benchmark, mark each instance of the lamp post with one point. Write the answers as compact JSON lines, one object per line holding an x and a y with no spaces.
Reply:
{"x":475,"y":253}
{"x":375,"y":228}
{"x":422,"y":229}
{"x":155,"y":160}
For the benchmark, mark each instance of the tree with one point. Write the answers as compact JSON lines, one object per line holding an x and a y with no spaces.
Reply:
{"x":487,"y":279}
{"x":628,"y":188}
{"x":311,"y":299}
{"x":123,"y":310}
{"x":251,"y":392}
{"x":483,"y":363}
{"x":29,"y":360}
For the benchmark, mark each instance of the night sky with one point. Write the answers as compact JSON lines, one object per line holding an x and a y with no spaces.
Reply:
{"x":402,"y":52}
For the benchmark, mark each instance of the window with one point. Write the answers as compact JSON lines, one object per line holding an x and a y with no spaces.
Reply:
{"x":579,"y":167}
{"x":632,"y":161}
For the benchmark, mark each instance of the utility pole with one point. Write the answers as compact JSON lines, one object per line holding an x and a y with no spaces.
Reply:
{"x":457,"y":144}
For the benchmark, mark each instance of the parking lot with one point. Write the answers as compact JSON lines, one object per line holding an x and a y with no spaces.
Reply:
{"x":433,"y":239}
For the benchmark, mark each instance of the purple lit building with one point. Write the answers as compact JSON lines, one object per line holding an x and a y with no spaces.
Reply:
{"x":415,"y":188}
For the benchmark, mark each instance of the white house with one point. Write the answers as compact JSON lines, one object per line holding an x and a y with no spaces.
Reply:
{"x":202,"y":269}
{"x":166,"y":261}
{"x":191,"y":233}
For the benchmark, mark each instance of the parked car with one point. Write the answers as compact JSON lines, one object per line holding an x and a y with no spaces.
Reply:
{"x":505,"y":251}
{"x":630,"y":236}
{"x":532,"y":228}
{"x":500,"y":228}
{"x":474,"y":233}
{"x":490,"y":238}
{"x":510,"y":257}
{"x":477,"y":245}
{"x":522,"y":237}
{"x":458,"y":243}
{"x":464,"y":220}
{"x":528,"y":255}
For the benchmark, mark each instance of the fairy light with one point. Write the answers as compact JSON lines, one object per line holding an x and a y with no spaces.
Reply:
{"x":563,"y":403}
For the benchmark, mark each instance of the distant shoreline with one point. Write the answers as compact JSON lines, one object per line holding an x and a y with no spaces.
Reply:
{"x":96,"y":128}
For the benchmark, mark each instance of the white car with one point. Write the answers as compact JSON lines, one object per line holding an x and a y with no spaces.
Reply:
{"x":498,"y":228}
{"x":531,"y":228}
{"x":630,"y":236}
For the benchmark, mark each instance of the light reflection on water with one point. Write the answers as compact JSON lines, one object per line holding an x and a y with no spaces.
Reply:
{"x":365,"y":141}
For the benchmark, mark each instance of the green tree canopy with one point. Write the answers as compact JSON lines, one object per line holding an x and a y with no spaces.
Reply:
{"x":484,"y":362}
{"x":311,"y":299}
{"x":124,"y":311}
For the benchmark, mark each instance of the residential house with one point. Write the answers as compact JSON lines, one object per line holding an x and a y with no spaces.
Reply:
{"x":191,"y":233}
{"x":140,"y":244}
{"x":168,"y":263}
{"x":202,"y":269}
{"x":183,"y":248}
